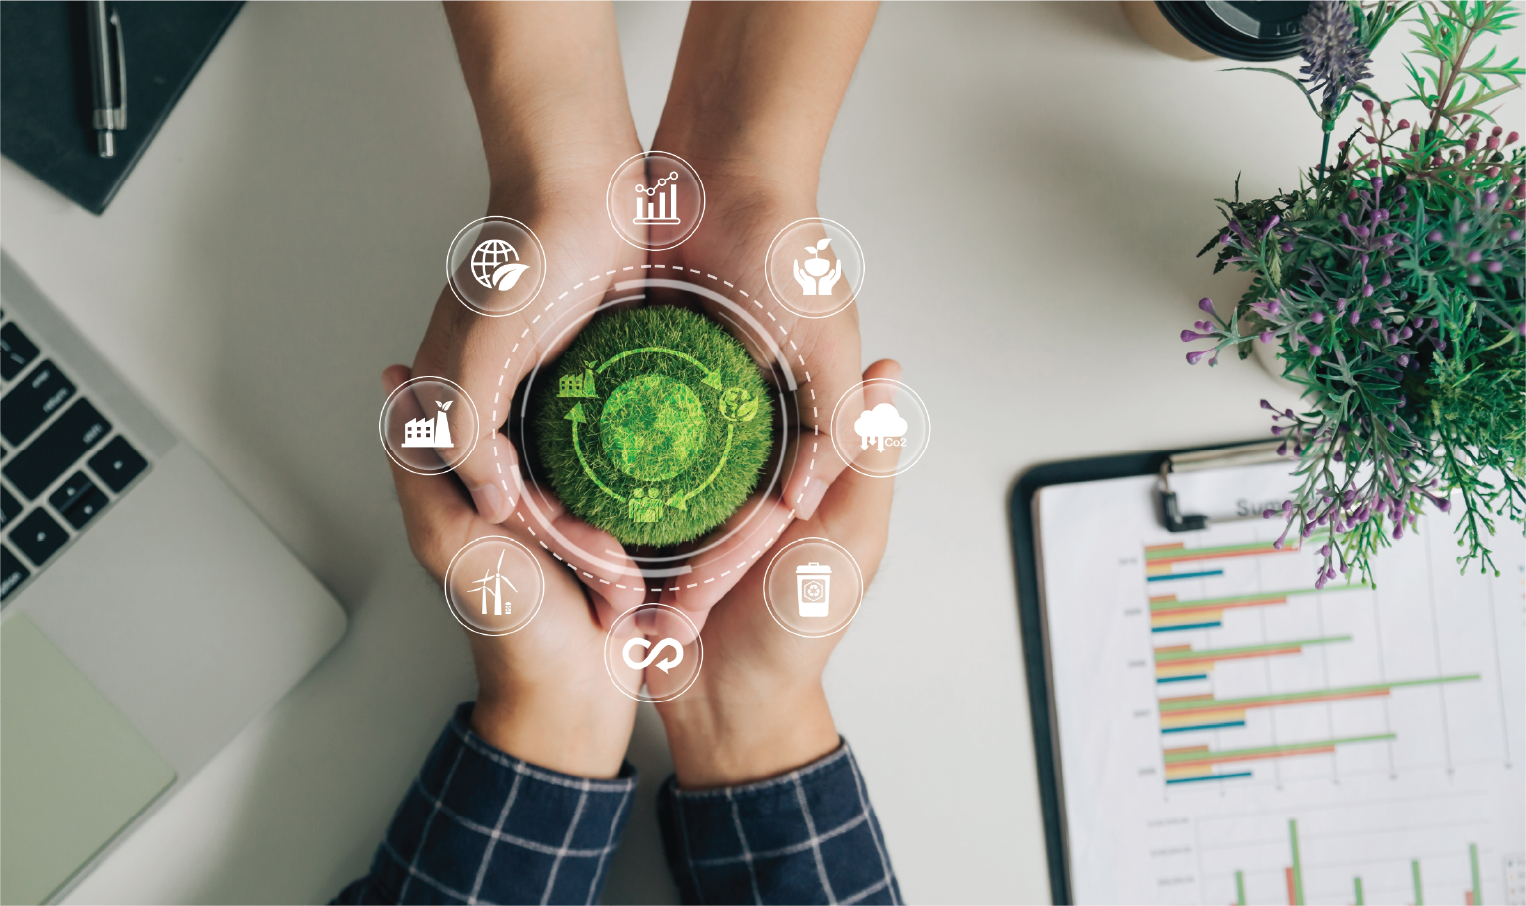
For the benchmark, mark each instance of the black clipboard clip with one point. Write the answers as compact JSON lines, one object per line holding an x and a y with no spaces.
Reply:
{"x":1198,"y":460}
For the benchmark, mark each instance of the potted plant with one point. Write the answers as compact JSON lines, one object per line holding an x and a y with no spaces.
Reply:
{"x":1390,"y":282}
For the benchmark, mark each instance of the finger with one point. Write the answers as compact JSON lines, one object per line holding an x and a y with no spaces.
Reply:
{"x":761,"y":521}
{"x":856,"y":510}
{"x":831,"y":350}
{"x":867,"y":397}
{"x":610,"y":574}
{"x":436,"y":514}
{"x":487,"y":357}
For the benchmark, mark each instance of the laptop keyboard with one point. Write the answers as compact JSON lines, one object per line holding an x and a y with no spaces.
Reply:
{"x":63,"y":465}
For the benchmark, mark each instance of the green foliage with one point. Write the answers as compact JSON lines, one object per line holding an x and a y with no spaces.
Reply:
{"x":1392,"y":284}
{"x":654,"y":425}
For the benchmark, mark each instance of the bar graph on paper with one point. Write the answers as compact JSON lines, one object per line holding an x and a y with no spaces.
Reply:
{"x":1231,"y":734}
{"x":1244,"y":698}
{"x":1293,"y":878}
{"x":1238,"y":699}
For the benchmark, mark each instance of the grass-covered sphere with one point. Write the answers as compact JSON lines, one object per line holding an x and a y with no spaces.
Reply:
{"x":654,"y":425}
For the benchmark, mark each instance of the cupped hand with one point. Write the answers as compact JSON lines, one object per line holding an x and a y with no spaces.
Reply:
{"x":545,"y":695}
{"x":745,"y":210}
{"x":757,"y":708}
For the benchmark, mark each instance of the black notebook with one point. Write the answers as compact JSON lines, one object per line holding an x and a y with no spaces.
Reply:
{"x":45,"y":100}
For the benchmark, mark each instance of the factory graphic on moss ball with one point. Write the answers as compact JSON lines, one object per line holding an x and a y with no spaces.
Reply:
{"x":658,"y":427}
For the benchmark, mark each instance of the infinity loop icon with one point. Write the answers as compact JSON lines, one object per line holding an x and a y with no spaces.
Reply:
{"x":663,"y":665}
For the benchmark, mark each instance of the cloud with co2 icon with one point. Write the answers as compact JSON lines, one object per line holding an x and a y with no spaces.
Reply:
{"x":881,"y":428}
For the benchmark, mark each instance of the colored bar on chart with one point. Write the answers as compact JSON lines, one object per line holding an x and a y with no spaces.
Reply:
{"x":1160,"y":558}
{"x":1360,"y":900}
{"x":1240,"y":888}
{"x":1168,"y":614}
{"x":1198,"y":763}
{"x":1297,"y":869}
{"x":1414,"y":870}
{"x":1199,"y":574}
{"x":1292,"y":890}
{"x":1203,"y":712}
{"x":1180,"y":662}
{"x":1476,"y":897}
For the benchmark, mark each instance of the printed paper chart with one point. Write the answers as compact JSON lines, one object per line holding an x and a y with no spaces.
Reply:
{"x":1229,"y":734}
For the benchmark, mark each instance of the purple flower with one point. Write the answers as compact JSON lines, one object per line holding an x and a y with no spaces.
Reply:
{"x":1205,"y":304}
{"x":1266,"y":336}
{"x":1194,"y":357}
{"x":1433,"y":236}
{"x":1188,"y":336}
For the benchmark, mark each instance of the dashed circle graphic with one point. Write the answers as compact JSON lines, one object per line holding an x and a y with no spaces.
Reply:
{"x":675,"y":572}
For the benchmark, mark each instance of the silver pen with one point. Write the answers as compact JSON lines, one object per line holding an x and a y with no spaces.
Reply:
{"x":108,"y":78}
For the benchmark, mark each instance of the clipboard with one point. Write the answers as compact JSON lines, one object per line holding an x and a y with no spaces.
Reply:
{"x":1030,"y":604}
{"x":1200,"y":704}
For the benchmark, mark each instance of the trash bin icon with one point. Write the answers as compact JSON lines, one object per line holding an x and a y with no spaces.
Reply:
{"x":813,"y":582}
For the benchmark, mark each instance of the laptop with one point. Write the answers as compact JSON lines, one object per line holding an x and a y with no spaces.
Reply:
{"x":147,"y":615}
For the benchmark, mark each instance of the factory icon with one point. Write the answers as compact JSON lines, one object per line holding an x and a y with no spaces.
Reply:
{"x":429,"y":432}
{"x":578,"y":386}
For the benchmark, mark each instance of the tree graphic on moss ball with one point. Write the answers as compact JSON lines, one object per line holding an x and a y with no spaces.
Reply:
{"x":655,"y":426}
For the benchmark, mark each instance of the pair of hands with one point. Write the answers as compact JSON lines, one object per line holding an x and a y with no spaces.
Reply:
{"x":550,"y":100}
{"x":757,"y":708}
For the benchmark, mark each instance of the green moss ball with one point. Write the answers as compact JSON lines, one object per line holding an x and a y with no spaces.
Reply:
{"x":654,"y":425}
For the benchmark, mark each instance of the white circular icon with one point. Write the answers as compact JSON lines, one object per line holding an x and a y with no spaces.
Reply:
{"x":813,"y":587}
{"x":661,"y":662}
{"x":494,"y":585}
{"x":655,"y":200}
{"x":496,"y":266}
{"x":881,"y":428}
{"x":814,"y":267}
{"x":428,"y":425}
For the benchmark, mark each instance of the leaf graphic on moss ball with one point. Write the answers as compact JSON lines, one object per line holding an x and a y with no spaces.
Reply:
{"x":507,"y":275}
{"x":747,"y":410}
{"x":824,"y":243}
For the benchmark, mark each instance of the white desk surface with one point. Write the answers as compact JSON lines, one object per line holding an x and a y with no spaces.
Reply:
{"x":1030,"y":183}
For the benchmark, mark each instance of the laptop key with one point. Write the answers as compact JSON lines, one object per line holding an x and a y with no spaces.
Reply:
{"x":12,"y":572}
{"x":56,"y":449}
{"x":10,"y":508}
{"x":39,"y":536}
{"x":71,"y":490}
{"x":33,"y":401}
{"x":84,"y":507}
{"x":16,"y":351}
{"x":118,"y":463}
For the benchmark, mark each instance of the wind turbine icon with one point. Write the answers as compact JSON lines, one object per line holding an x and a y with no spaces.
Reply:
{"x":498,"y":580}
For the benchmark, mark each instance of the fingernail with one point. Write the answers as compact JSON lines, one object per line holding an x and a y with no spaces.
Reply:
{"x":489,"y":501}
{"x":810,"y":498}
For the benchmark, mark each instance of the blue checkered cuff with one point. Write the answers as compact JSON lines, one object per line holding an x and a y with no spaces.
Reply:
{"x":809,"y":836}
{"x":479,"y":825}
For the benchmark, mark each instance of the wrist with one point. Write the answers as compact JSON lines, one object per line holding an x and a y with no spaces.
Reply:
{"x":746,"y":159}
{"x":742,"y":740}
{"x":568,"y":734}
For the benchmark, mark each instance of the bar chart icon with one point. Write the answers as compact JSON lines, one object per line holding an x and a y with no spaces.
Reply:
{"x":654,"y":206}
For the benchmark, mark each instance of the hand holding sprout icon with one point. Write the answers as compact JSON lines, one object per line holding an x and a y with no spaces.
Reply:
{"x":816,"y":269}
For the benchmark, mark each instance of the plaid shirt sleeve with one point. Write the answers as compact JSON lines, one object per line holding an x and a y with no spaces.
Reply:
{"x":809,"y":836}
{"x":481,"y":826}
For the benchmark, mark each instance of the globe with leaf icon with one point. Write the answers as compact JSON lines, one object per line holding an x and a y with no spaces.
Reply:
{"x":495,"y":264}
